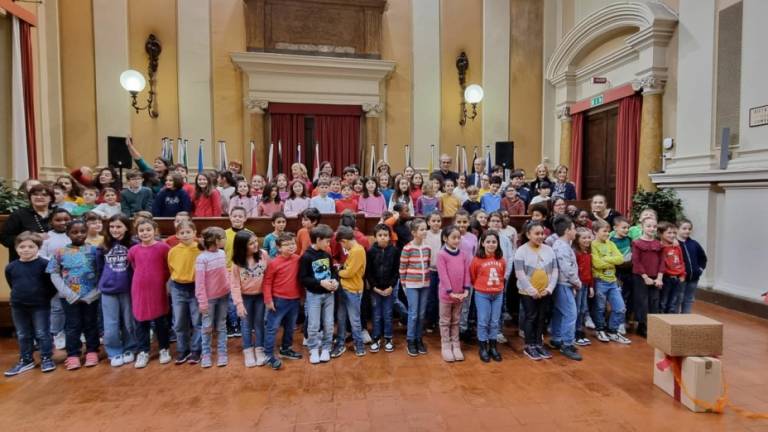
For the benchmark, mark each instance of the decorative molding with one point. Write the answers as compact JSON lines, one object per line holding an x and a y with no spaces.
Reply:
{"x":655,"y":21}
{"x":295,"y":78}
{"x":756,"y":176}
{"x":373,"y":110}
{"x":256,"y":106}
{"x":563,"y":113}
{"x":650,"y":84}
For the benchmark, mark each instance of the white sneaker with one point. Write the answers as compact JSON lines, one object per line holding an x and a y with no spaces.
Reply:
{"x":82,"y":338}
{"x":305,"y":342}
{"x":325,"y":356}
{"x":602,"y":337}
{"x":116,"y":361}
{"x":128,"y":358}
{"x":588,"y":323}
{"x":60,"y":341}
{"x":366,"y":337}
{"x":521,"y":334}
{"x":500,"y":338}
{"x":141,"y":360}
{"x":165,"y":356}
{"x":616,"y":337}
{"x":314,"y":356}
{"x":622,"y":329}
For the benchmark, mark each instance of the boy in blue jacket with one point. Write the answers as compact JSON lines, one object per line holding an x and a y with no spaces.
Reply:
{"x":695,"y":262}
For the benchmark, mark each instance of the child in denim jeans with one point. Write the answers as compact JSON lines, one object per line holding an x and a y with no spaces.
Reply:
{"x":414,"y":276}
{"x":582,"y":246}
{"x":695,"y":262}
{"x":316,"y":275}
{"x":674,"y":268}
{"x":31,"y":294}
{"x":212,"y":292}
{"x":182,"y":259}
{"x":605,"y":257}
{"x":351,"y":279}
{"x":281,"y":298}
{"x":249,"y":263}
{"x":382,"y":278}
{"x":565,"y":310}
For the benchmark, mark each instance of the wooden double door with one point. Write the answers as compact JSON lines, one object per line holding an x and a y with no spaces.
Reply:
{"x":599,"y":156}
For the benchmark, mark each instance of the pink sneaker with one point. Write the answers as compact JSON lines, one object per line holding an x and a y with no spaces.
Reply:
{"x":72,"y":363}
{"x":91,"y":359}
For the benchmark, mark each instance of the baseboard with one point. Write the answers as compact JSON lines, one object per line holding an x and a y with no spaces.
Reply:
{"x":730,"y":301}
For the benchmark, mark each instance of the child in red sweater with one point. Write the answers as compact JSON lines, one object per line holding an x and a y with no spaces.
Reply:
{"x":281,"y":297}
{"x":582,"y":246}
{"x":487,"y":275}
{"x":648,"y":270}
{"x":674,"y":268}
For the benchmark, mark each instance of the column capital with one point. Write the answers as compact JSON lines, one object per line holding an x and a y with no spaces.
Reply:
{"x":373,"y":109}
{"x":563,"y":113}
{"x":256,"y":106}
{"x":650,"y":84}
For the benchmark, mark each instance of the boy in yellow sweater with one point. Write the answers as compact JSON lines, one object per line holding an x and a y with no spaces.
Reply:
{"x":186,"y":314}
{"x":351,"y":294}
{"x":605,"y":257}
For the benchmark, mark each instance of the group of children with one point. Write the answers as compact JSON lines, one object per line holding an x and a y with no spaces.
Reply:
{"x":130,"y":283}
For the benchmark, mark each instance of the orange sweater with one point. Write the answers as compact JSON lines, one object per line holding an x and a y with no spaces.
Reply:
{"x":487,"y":274}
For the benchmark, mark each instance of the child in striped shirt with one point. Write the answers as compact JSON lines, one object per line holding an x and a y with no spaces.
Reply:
{"x":414,"y":276}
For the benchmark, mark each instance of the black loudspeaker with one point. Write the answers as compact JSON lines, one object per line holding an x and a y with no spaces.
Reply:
{"x":118,"y":155}
{"x":505,"y":154}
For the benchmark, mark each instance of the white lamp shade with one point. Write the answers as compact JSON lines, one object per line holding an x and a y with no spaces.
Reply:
{"x":473,"y":94}
{"x":132,"y":81}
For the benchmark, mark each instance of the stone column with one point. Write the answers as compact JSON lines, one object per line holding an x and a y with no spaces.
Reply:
{"x":372,"y":113}
{"x":255,"y":130}
{"x":564,"y":115}
{"x":649,"y":153}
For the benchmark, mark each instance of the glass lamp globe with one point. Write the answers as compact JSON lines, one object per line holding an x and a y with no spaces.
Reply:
{"x":473,"y":94}
{"x":132,"y":81}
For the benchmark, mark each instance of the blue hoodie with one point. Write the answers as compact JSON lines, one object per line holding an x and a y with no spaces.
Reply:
{"x":695,"y":259}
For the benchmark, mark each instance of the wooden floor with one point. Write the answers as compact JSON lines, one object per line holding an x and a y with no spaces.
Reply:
{"x":611,"y":390}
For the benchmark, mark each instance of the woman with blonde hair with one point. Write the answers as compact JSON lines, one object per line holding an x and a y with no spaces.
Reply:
{"x":562,"y":188}
{"x":542,"y":175}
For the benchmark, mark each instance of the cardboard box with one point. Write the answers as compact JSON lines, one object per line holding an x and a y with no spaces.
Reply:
{"x":685,"y":335}
{"x":701,"y":377}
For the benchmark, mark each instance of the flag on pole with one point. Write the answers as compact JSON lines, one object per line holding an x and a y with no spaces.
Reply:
{"x":298,"y":149}
{"x":253,"y":158}
{"x":164,"y":148}
{"x":458,"y":158}
{"x":464,"y":159}
{"x":488,"y":167}
{"x":431,"y":157}
{"x":200,"y":161}
{"x":279,"y":156}
{"x":182,"y":150}
{"x":317,"y":161}
{"x":269,"y":165}
{"x":477,"y":177}
{"x":223,"y":159}
{"x":407,"y":156}
{"x":384,"y":154}
{"x":373,"y":160}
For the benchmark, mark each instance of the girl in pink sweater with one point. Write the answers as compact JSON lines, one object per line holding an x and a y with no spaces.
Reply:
{"x":149,"y":300}
{"x":249,"y":263}
{"x":372,"y":202}
{"x":453,"y":272}
{"x":212,"y":292}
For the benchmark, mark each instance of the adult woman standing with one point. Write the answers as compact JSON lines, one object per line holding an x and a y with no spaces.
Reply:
{"x":562,"y":187}
{"x":34,"y":218}
{"x":542,"y":175}
{"x":600,"y":210}
{"x":156,"y":174}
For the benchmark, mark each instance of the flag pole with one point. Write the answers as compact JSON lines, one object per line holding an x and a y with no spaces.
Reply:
{"x":269,"y":166}
{"x":317,"y":160}
{"x":384,"y":154}
{"x":200,"y":161}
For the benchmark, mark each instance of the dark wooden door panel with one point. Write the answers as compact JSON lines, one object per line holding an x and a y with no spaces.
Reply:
{"x":599,"y":160}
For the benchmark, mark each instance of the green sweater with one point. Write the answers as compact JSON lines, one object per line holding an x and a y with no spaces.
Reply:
{"x":605,"y":257}
{"x":132,"y":202}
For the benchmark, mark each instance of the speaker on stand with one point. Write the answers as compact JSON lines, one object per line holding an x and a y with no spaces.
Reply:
{"x":118,"y":155}
{"x":505,"y":156}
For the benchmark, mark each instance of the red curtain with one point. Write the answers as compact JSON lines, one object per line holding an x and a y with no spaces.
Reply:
{"x":577,"y":149}
{"x":627,"y":145}
{"x":287,"y":129}
{"x":339,"y":138}
{"x":27,"y":72}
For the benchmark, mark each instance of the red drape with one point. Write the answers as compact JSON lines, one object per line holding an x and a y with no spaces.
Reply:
{"x":627,"y":146}
{"x":27,"y":73}
{"x":577,"y":149}
{"x":339,"y":138}
{"x":287,"y":129}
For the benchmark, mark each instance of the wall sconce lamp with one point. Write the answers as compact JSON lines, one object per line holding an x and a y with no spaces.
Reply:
{"x":133,"y":81}
{"x":471,"y":94}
